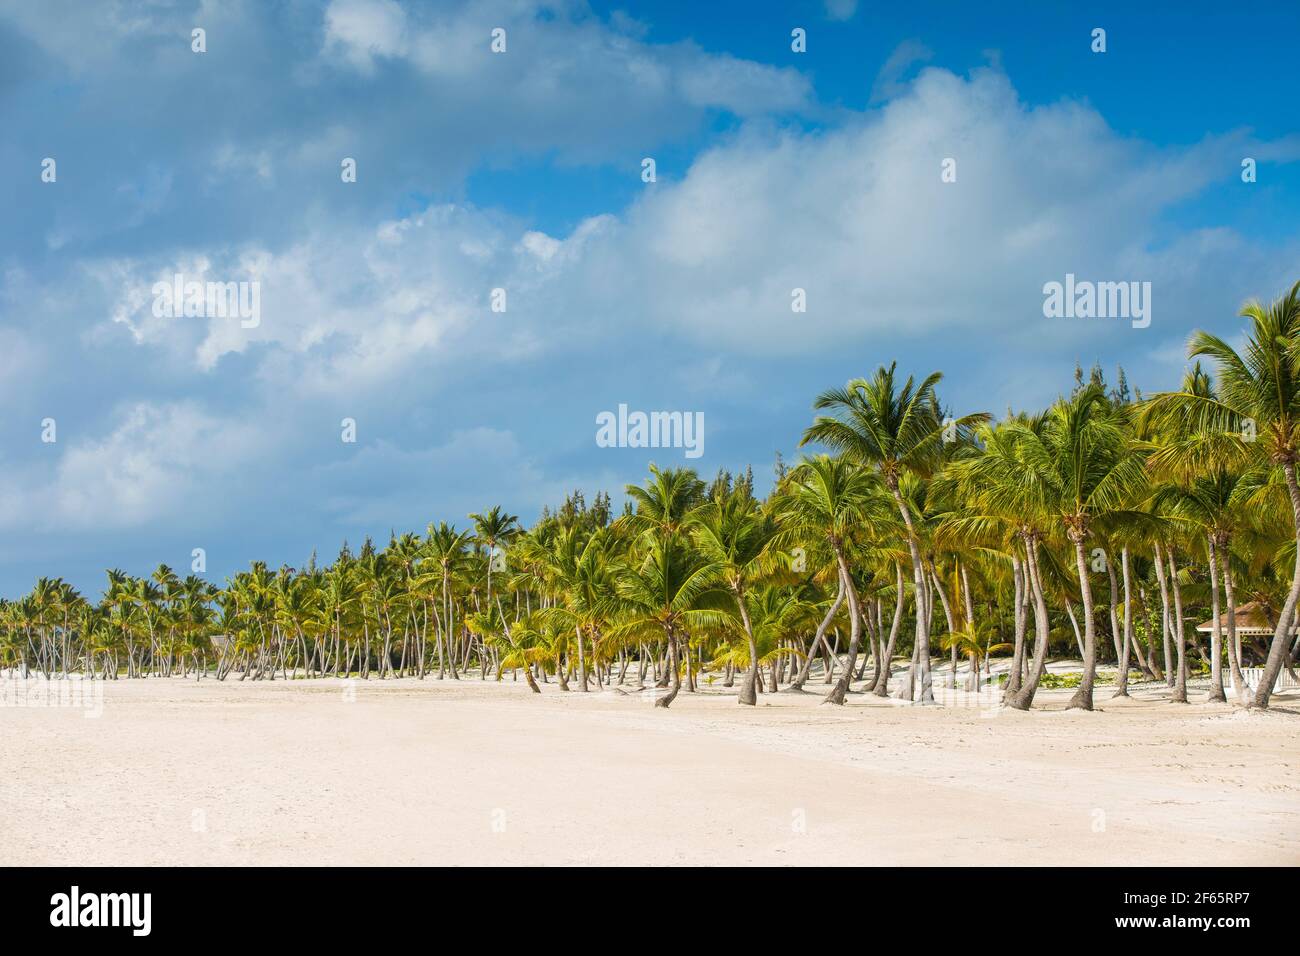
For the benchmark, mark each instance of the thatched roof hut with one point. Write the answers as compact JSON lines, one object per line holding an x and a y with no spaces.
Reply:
{"x":1253,"y":618}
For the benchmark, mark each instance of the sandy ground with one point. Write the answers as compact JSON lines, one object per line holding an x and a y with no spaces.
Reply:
{"x":410,"y":772}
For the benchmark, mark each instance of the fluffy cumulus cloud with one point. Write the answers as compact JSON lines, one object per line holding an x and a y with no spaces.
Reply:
{"x":862,"y":220}
{"x":155,"y":462}
{"x":352,"y":309}
{"x":544,"y":49}
{"x":859,"y":217}
{"x":257,"y":126}
{"x":361,"y":30}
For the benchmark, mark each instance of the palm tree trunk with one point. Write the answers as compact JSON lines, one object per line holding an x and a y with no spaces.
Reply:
{"x":748,"y":689}
{"x":881,"y":688}
{"x":1121,"y":679}
{"x":873,"y":642}
{"x":1277,"y":653}
{"x":1116,"y":638}
{"x":1180,"y":681}
{"x":560,"y":668}
{"x":908,"y":690}
{"x":967,"y":604}
{"x":1234,"y":640}
{"x":661,"y":666}
{"x":817,"y":640}
{"x":1165,"y":618}
{"x":922,"y":619}
{"x":1216,"y":636}
{"x":836,"y":696}
{"x":450,"y":625}
{"x":1074,"y":624}
{"x":1024,"y":698}
{"x":1018,"y":653}
{"x":674,"y":672}
{"x":947,"y":614}
{"x":582,"y":663}
{"x":1083,"y":696}
{"x":1149,"y":662}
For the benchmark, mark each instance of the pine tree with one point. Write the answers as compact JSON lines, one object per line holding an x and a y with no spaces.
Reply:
{"x":1121,"y":394}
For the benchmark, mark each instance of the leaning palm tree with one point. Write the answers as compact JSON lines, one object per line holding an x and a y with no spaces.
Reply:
{"x":776,"y":614}
{"x":737,"y":536}
{"x":1081,"y":467}
{"x":899,"y":431}
{"x":578,"y":568}
{"x":1253,"y":422}
{"x":669,"y":593}
{"x":835,"y":498}
{"x":445,"y":550}
{"x":1001,"y":512}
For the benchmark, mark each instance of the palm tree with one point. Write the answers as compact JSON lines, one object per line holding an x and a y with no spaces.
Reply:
{"x":737,"y":536}
{"x":835,"y":498}
{"x":665,"y":502}
{"x":493,"y":529}
{"x":1208,"y":508}
{"x":776,"y":615}
{"x":1003,"y":511}
{"x":899,"y":431}
{"x":1252,"y":422}
{"x":1081,"y":467}
{"x":445,"y":548}
{"x":578,"y":568}
{"x":670,"y":592}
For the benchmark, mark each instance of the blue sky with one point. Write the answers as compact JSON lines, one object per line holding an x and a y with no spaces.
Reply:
{"x":521,"y":170}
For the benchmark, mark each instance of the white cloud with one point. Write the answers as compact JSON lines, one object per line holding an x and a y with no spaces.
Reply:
{"x":856,"y":216}
{"x":859,"y":217}
{"x":94,"y":34}
{"x":557,"y":55}
{"x":350,"y":309}
{"x":361,"y":30}
{"x":741,"y":86}
{"x":700,"y":268}
{"x":889,"y":81}
{"x":22,"y":360}
{"x":157,"y":461}
{"x":230,"y":160}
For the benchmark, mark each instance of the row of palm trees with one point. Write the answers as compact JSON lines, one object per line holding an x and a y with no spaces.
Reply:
{"x":1098,"y":527}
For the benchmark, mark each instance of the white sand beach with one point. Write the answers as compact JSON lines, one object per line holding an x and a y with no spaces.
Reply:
{"x":411,"y":772}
